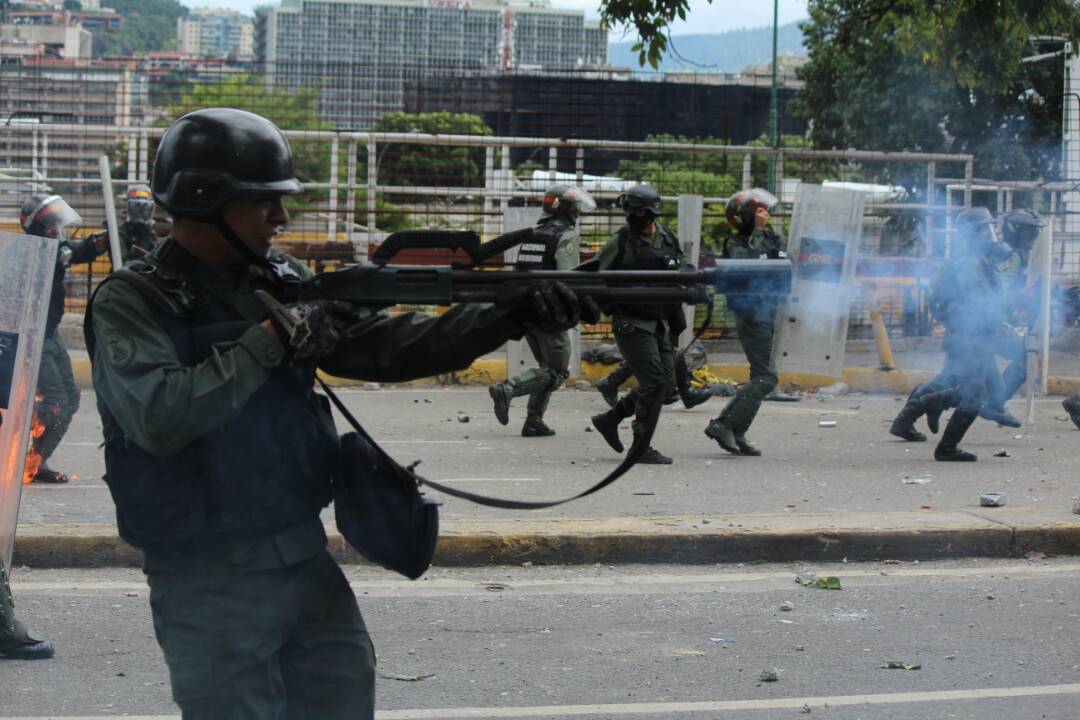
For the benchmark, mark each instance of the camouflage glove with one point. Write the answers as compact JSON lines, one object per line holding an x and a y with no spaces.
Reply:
{"x":311,"y":329}
{"x":552,"y":307}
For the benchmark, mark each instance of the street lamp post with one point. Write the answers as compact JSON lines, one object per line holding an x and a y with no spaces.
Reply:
{"x":774,"y":139}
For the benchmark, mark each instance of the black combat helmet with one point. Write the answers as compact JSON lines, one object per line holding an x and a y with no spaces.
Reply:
{"x":567,"y":202}
{"x":743,"y":206}
{"x":642,"y":197}
{"x":209,"y":157}
{"x":1020,"y":227}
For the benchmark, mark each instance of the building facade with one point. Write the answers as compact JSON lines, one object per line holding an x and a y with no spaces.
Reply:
{"x":211,"y":32}
{"x":361,"y":54}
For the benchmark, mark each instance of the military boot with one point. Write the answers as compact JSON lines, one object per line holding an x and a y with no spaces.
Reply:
{"x":536,"y":427}
{"x":15,"y":642}
{"x":1072,"y":406}
{"x":501,"y":398}
{"x":652,"y":456}
{"x":608,"y":390}
{"x":948,"y":449}
{"x":745,"y":447}
{"x":999,"y":415}
{"x":608,"y":426}
{"x":904,"y":424}
{"x":692,"y":397}
{"x":725,"y":438}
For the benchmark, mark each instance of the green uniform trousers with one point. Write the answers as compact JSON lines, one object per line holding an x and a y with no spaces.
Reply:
{"x":283,"y":643}
{"x":12,"y":632}
{"x":756,"y":337}
{"x":651,"y":358}
{"x":59,"y":395}
{"x":552,"y":353}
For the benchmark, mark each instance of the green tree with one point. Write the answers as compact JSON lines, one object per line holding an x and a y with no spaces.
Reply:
{"x":431,"y":165}
{"x":148,"y":25}
{"x":930,"y":76}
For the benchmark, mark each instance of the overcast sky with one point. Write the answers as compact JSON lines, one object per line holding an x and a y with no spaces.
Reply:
{"x":704,"y":17}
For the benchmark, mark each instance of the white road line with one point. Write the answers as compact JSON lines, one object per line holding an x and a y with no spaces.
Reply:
{"x":635,"y":583}
{"x":617,"y":709}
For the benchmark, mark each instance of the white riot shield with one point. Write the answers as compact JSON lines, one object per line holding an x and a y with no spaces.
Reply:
{"x":519,"y":357}
{"x":27,"y":264}
{"x":811,"y":326}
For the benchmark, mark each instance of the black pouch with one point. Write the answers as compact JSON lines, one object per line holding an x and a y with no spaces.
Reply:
{"x":378,"y":506}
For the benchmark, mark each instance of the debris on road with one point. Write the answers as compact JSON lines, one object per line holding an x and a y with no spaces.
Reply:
{"x":723,"y":640}
{"x":901,"y":665}
{"x":371,"y":386}
{"x":835,"y":390}
{"x":769,"y":675}
{"x":462,"y":418}
{"x":915,"y":481}
{"x":1002,"y":453}
{"x":993,"y":499}
{"x":826,"y":583}
{"x":386,"y":675}
{"x":787,"y":606}
{"x":826,"y":423}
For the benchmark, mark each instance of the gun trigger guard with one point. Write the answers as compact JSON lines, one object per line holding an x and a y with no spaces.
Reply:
{"x":296,"y":329}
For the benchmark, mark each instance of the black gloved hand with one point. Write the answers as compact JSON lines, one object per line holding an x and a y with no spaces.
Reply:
{"x":311,"y":329}
{"x":552,"y":307}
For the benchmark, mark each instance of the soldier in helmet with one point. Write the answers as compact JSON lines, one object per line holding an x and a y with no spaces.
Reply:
{"x":554,"y":246}
{"x":755,"y":315}
{"x":137,"y":236}
{"x":218,"y":451}
{"x":49,"y":216}
{"x":968,"y":299}
{"x":643,"y":331}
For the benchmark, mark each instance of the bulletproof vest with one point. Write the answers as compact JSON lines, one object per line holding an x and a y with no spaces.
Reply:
{"x":539,"y":252}
{"x":644,"y":256}
{"x":265,"y":471}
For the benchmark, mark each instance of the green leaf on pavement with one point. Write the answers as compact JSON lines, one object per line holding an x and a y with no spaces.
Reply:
{"x":826,"y":583}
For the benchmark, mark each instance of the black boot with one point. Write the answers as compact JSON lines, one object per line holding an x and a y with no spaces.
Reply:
{"x":608,"y":426}
{"x":948,"y":449}
{"x":904,"y":424}
{"x":502,"y":403}
{"x":536,"y":427}
{"x":692,"y":397}
{"x":1072,"y":406}
{"x":29,"y":650}
{"x":724,"y":437}
{"x":999,"y":415}
{"x":745,"y":447}
{"x":652,"y":456}
{"x":608,"y":390}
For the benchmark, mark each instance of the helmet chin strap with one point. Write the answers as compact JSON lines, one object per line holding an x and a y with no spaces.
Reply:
{"x":237,"y":244}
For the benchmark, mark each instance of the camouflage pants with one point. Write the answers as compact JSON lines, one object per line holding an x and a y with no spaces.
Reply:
{"x":552,"y":353}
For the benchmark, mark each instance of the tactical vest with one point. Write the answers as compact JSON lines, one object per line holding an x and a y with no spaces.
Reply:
{"x":539,"y":252}
{"x":646,"y":257}
{"x":265,"y":471}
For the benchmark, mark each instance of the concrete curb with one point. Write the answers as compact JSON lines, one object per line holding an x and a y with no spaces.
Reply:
{"x":1001,"y":532}
{"x":489,"y":370}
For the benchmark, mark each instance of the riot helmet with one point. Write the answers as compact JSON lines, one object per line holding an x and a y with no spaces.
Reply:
{"x":1020,"y":227}
{"x":743,"y":206}
{"x":567,"y":202}
{"x":46,"y":215}
{"x":640,"y":197}
{"x":209,"y":157}
{"x":140,"y":204}
{"x":975,"y":230}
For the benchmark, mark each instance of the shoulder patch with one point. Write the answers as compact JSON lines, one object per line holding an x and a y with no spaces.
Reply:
{"x":119,"y":348}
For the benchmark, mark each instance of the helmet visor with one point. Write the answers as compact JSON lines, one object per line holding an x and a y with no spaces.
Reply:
{"x":54,"y":214}
{"x":140,"y":209}
{"x":761,"y":198}
{"x":581,"y":199}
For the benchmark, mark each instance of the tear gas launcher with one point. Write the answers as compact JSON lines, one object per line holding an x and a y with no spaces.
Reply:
{"x":381,"y":284}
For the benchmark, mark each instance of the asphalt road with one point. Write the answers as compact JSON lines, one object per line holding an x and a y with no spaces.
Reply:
{"x":994,"y":639}
{"x":855,"y":466}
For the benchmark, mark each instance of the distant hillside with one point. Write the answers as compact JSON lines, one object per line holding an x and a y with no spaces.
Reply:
{"x":719,"y":52}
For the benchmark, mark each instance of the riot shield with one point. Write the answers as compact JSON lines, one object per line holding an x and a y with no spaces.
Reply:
{"x":811,"y":326}
{"x":27,"y":264}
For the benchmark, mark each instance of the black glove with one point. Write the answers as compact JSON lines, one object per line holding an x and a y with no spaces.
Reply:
{"x":552,"y":307}
{"x":311,"y":329}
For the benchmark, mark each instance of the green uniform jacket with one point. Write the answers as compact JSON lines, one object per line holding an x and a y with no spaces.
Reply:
{"x":636,"y":250}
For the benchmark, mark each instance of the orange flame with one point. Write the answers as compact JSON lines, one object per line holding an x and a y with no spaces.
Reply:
{"x":33,"y":457}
